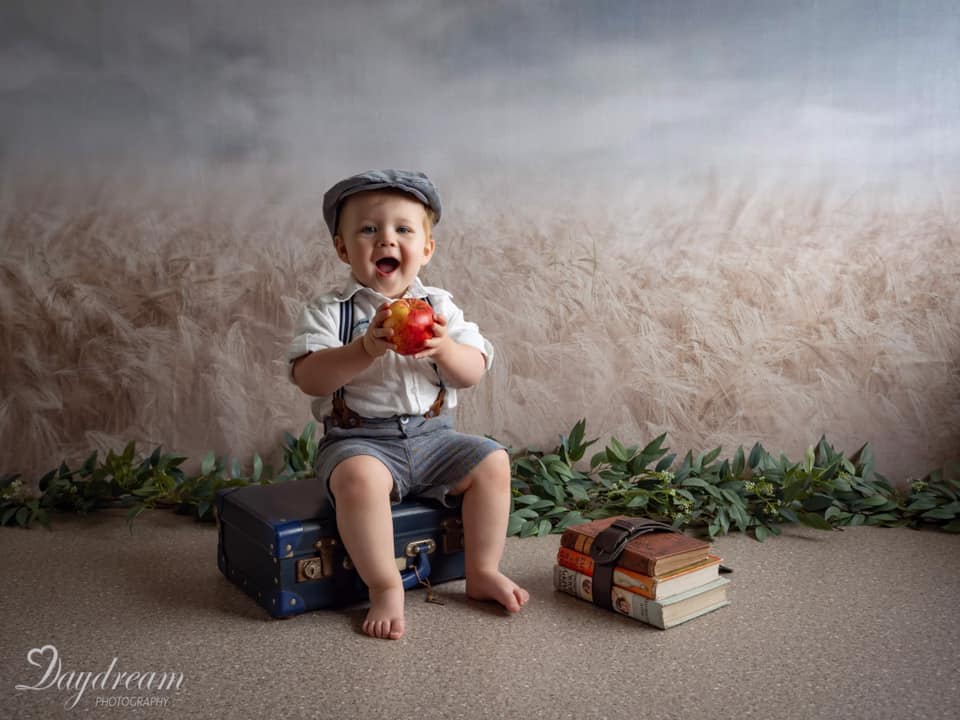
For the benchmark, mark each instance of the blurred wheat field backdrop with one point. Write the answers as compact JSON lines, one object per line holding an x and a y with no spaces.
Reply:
{"x":722,"y":316}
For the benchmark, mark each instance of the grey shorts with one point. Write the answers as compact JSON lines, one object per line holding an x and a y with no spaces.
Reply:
{"x":425,"y":456}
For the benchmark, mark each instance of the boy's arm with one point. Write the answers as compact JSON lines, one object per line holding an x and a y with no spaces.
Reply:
{"x":462,"y":365}
{"x":324,"y":371}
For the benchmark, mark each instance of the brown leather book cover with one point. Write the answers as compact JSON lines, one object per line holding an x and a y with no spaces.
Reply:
{"x":652,"y":553}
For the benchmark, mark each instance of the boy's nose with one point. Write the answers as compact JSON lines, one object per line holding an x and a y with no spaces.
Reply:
{"x":386,"y":238}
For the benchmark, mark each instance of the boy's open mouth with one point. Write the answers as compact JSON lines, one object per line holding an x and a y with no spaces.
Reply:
{"x":385,"y":266}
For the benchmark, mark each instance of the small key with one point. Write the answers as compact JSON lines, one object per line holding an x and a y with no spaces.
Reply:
{"x":432,"y":596}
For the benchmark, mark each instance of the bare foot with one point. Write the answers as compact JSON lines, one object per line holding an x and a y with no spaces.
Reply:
{"x":385,"y":617}
{"x":497,"y":586}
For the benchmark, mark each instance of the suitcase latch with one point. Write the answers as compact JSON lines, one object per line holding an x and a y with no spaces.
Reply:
{"x":317,"y":568}
{"x":413,"y":548}
{"x":451,"y":535}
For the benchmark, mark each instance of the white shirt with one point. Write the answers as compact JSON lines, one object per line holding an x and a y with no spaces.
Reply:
{"x":394,"y":384}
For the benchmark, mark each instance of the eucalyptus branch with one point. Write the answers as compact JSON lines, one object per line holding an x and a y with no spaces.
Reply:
{"x":140,"y":483}
{"x":754,"y":493}
{"x":751,"y":492}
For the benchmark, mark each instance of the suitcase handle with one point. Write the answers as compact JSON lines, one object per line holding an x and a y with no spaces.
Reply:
{"x":420,"y":570}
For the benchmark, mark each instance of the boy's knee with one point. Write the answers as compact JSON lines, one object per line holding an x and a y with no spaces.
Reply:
{"x":497,"y":465}
{"x":501,"y":460}
{"x":493,"y":471}
{"x":359,"y":478}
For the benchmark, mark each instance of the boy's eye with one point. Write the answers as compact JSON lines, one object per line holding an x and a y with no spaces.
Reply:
{"x":404,"y":229}
{"x":368,"y":229}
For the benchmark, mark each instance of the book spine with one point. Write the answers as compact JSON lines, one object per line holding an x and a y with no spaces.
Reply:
{"x":627,"y":579}
{"x":575,"y":560}
{"x":581,"y":543}
{"x":576,"y":541}
{"x":624,"y":601}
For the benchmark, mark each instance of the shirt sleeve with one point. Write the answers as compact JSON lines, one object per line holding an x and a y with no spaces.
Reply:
{"x":461,"y":330}
{"x":317,"y":328}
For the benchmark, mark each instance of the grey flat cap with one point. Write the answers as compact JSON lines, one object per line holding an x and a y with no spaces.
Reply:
{"x":414,"y":183}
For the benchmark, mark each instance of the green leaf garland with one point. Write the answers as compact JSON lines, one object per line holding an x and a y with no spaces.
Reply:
{"x":751,"y":492}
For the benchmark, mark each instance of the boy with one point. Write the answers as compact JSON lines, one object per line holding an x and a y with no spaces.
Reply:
{"x":387,"y":434}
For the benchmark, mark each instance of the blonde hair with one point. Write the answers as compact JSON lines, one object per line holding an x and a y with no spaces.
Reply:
{"x":429,"y":220}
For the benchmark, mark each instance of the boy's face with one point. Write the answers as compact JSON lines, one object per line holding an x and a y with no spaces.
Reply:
{"x":384,"y":238}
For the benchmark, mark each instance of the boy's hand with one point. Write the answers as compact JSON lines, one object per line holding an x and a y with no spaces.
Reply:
{"x":376,"y":340}
{"x":440,"y":341}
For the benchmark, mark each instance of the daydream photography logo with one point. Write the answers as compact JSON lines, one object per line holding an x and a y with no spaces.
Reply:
{"x":114,"y":687}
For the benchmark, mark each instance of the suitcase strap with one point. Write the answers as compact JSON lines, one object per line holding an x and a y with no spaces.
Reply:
{"x":607,"y":548}
{"x":419,"y":571}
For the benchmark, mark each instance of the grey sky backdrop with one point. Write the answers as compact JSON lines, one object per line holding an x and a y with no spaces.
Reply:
{"x":490,"y":90}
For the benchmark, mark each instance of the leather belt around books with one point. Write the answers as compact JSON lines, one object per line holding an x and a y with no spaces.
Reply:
{"x":607,"y":547}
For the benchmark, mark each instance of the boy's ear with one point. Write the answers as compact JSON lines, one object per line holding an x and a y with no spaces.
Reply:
{"x":341,"y":248}
{"x":428,"y":247}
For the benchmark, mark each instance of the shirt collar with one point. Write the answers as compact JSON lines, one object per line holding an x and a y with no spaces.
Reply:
{"x":353,"y":286}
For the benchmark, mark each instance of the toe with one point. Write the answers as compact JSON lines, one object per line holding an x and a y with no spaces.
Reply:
{"x":521,"y":596}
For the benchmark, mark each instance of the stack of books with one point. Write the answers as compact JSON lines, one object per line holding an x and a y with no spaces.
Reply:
{"x":660,"y":578}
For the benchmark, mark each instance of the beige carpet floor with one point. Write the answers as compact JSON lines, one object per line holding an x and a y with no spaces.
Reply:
{"x":853,"y":624}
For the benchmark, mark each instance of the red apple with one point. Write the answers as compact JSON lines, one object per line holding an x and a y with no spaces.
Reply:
{"x":412,"y":323}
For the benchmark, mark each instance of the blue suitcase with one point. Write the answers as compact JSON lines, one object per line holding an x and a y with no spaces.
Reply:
{"x":279,"y":544}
